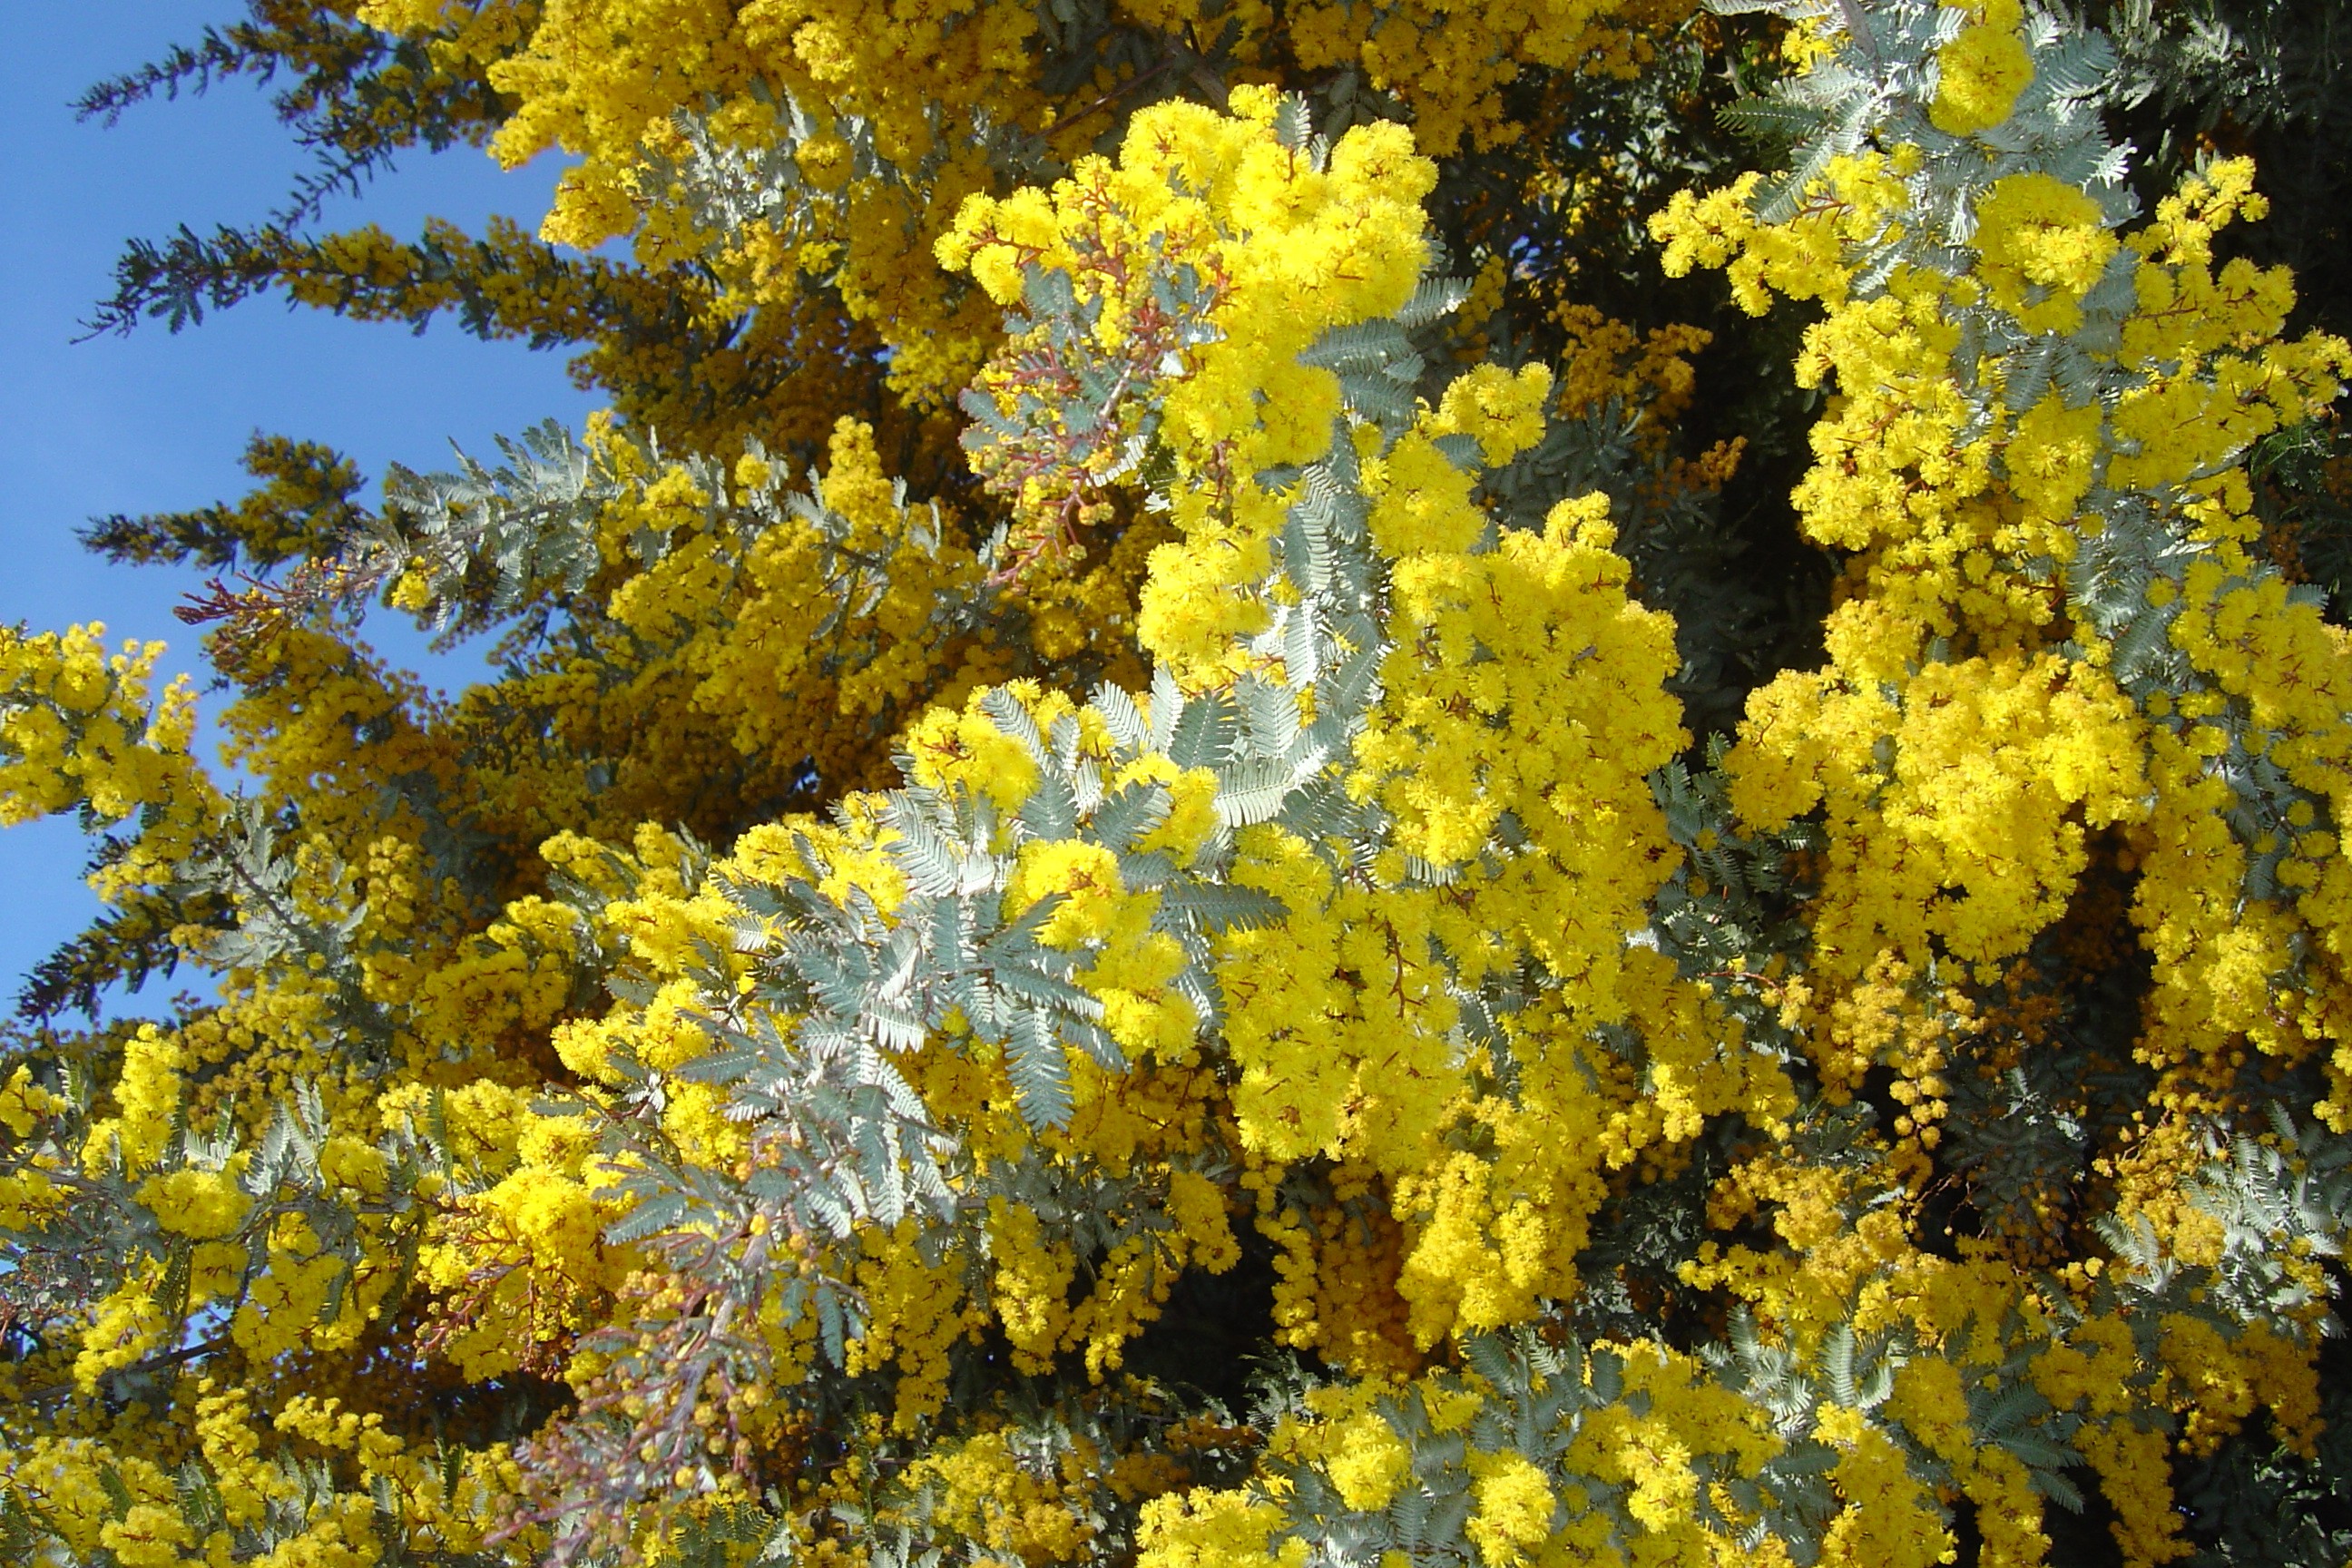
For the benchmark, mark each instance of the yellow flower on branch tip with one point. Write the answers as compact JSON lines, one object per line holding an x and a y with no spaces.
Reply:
{"x":1980,"y":74}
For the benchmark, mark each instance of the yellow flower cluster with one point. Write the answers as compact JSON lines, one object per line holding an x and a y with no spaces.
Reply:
{"x":1981,"y":72}
{"x":78,"y":731}
{"x":1991,"y":767}
{"x":1406,"y":1042}
{"x":1293,"y":251}
{"x":2041,"y":246}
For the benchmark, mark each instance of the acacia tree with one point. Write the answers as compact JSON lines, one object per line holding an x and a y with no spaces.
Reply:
{"x":1297,"y":783}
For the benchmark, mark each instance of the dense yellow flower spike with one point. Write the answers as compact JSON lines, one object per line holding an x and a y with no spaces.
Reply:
{"x":837,"y":1050}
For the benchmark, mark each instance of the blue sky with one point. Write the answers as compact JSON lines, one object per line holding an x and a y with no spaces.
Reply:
{"x":156,"y":422}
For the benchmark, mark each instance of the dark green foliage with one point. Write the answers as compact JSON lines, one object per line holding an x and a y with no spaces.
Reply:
{"x":2303,"y":493}
{"x":481,"y":279}
{"x":124,"y":947}
{"x":353,"y":96}
{"x":2256,"y":1503}
{"x":303,"y":510}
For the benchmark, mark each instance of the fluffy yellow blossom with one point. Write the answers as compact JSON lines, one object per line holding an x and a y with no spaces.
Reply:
{"x":146,"y":1095}
{"x":1203,"y":1529}
{"x":2052,"y":457}
{"x":203,"y":1205}
{"x":2044,"y":245}
{"x":1367,"y":1461}
{"x":1981,"y":72}
{"x":1515,"y":1511}
{"x":611,"y":1129}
